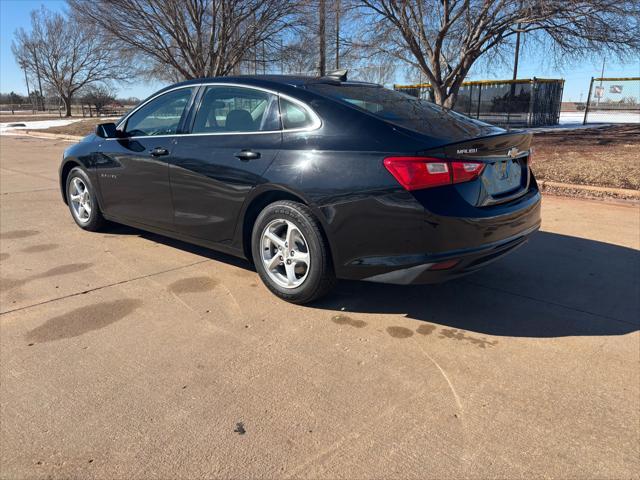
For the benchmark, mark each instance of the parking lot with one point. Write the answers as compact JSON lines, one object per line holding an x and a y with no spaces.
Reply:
{"x":128,"y":355}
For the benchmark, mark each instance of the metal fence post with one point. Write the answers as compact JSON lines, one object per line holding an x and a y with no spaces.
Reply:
{"x":586,"y":109}
{"x":532,"y":100}
{"x":557,"y":116}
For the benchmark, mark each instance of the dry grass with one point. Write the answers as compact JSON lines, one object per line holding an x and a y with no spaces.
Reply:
{"x":602,"y":157}
{"x":81,"y":128}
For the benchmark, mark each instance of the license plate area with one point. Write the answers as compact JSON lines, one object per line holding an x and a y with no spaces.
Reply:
{"x":502,"y":177}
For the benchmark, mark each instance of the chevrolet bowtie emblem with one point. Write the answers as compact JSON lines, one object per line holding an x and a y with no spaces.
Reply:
{"x":513,"y":152}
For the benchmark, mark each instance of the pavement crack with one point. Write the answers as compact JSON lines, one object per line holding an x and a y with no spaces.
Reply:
{"x":90,"y":290}
{"x":31,"y":191}
{"x":28,"y":173}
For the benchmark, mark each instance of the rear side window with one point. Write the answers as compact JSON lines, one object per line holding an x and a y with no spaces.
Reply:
{"x":234,"y":109}
{"x":404,"y":110}
{"x":294,"y":115}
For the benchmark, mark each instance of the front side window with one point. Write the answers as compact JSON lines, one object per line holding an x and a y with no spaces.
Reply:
{"x":234,"y":109}
{"x":161,"y":116}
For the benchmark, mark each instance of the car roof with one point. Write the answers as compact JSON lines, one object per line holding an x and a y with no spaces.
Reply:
{"x":275,"y":82}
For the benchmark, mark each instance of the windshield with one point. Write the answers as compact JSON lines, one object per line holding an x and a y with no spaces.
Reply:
{"x":407,"y":111}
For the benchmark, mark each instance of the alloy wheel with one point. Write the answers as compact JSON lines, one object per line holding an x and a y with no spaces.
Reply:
{"x":285,"y":253}
{"x":80,"y":200}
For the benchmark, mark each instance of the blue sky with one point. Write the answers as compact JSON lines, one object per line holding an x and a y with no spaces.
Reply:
{"x":15,"y":14}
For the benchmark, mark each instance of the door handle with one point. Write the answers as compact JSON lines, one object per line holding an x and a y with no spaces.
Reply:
{"x":159,"y":151}
{"x":246,"y":155}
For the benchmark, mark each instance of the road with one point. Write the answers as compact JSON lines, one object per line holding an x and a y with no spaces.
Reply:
{"x":128,"y":355}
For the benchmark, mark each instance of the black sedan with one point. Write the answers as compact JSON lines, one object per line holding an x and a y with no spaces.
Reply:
{"x":312,"y":179}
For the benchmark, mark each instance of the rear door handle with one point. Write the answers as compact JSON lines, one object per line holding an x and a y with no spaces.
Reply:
{"x":159,"y":151}
{"x":245,"y":155}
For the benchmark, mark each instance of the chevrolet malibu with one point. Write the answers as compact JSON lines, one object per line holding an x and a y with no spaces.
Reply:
{"x":311,"y":179}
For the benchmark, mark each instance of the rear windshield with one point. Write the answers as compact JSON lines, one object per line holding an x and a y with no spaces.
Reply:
{"x":407,"y":111}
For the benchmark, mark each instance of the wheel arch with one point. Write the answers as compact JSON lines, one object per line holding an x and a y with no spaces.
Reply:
{"x":65,"y":169}
{"x":264,"y":197}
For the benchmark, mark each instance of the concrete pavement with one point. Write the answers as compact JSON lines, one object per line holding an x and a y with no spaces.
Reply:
{"x":127,"y":355}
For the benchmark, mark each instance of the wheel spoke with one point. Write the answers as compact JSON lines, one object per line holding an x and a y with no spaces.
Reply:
{"x":276,"y":240}
{"x":77,"y":185}
{"x":291,"y":229}
{"x":291,"y":273}
{"x":76,"y":197}
{"x":273,"y":262}
{"x":87,"y":208}
{"x":301,"y":257}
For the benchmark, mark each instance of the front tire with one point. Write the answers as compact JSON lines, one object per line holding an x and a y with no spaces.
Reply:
{"x":291,"y":254}
{"x":82,"y":201}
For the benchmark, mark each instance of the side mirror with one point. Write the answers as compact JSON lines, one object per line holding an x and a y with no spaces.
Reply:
{"x":107,"y":130}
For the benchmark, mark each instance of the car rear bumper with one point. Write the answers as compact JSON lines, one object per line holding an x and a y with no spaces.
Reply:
{"x":403,"y":249}
{"x":466,"y":261}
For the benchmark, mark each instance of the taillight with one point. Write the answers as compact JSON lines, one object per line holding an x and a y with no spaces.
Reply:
{"x":415,"y":173}
{"x":465,"y":171}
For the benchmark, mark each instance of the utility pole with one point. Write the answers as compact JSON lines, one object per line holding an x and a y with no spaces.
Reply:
{"x":601,"y":75}
{"x":35,"y":57}
{"x":26,"y":80}
{"x":337,"y":34}
{"x":517,"y":54}
{"x":322,"y":38}
{"x":515,"y":75}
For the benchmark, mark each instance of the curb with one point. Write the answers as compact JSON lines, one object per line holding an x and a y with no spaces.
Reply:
{"x":609,"y":191}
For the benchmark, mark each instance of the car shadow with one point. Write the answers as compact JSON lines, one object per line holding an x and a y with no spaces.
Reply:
{"x":119,"y":229}
{"x":554,"y":286}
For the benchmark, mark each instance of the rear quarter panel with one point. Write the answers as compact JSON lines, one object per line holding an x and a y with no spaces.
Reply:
{"x":338,"y":170}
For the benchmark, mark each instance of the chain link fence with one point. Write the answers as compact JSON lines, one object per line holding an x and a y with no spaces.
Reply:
{"x":509,"y":103}
{"x":613,"y":100}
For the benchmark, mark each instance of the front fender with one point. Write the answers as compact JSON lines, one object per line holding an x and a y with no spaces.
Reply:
{"x":81,"y":155}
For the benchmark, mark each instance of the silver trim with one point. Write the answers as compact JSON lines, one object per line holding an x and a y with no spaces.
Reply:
{"x":317,"y":122}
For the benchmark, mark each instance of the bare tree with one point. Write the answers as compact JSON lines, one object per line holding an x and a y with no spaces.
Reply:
{"x":99,"y":96}
{"x":320,"y":37}
{"x":445,"y":38}
{"x":182,"y":39}
{"x":66,"y":56}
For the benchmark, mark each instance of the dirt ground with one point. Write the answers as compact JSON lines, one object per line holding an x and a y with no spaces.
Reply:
{"x":126,"y":355}
{"x":603,"y":156}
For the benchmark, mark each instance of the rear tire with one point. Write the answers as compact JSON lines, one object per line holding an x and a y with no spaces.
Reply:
{"x":291,"y":254}
{"x":82,"y":201}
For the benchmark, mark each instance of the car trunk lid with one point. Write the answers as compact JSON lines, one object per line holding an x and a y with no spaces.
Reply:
{"x":506,"y":166}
